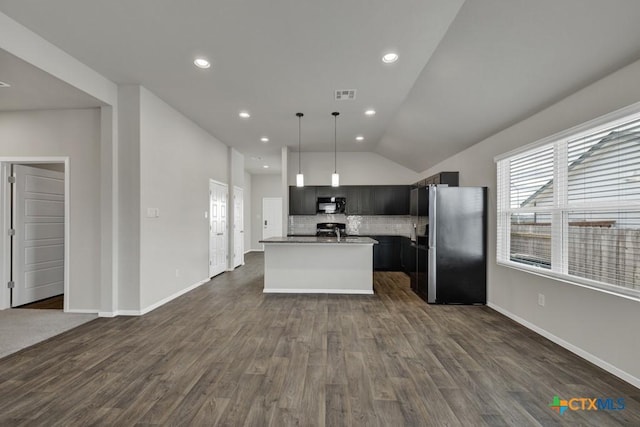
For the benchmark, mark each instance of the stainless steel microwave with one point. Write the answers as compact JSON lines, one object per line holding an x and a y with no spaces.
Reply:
{"x":330,"y":205}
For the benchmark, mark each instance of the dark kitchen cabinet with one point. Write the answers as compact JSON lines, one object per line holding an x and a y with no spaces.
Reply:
{"x":391,"y":199}
{"x":386,"y":254}
{"x":419,"y":280}
{"x":407,"y":255}
{"x":329,"y":191}
{"x":449,"y":178}
{"x":360,"y":200}
{"x":302,"y":200}
{"x":378,"y":200}
{"x":352,"y":195}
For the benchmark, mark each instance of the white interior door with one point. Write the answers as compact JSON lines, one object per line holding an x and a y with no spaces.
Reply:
{"x":271,"y":217}
{"x":38,"y":243}
{"x":238,"y":227}
{"x":218,"y":244}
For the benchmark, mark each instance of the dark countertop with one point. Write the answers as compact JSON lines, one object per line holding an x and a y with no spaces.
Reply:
{"x":354,"y":240}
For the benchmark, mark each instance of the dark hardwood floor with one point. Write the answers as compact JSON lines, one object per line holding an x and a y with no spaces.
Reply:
{"x":226,"y":354}
{"x":53,"y":303}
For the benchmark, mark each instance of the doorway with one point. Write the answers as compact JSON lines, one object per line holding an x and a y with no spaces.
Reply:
{"x":34,"y":251}
{"x":218,"y":239}
{"x":271,"y":217}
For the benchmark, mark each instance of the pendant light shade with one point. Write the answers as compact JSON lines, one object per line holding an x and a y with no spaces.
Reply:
{"x":335,"y":178}
{"x":299,"y":176}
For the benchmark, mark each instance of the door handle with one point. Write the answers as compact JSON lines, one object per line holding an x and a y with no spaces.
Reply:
{"x":265,"y":222}
{"x":219,"y":234}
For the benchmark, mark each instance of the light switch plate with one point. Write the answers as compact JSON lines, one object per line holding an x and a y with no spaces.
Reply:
{"x":153,"y":213}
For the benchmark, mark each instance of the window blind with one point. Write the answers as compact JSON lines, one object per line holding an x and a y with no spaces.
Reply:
{"x":571,"y":206}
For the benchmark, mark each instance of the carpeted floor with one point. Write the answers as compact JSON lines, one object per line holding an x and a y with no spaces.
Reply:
{"x":20,"y":328}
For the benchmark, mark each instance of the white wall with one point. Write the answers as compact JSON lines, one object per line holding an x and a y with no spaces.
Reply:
{"x":177,"y":159}
{"x":596,"y":325}
{"x":355,"y":168}
{"x":261,"y":186}
{"x":76,"y":134}
{"x":32,"y":48}
{"x":236,"y":162}
{"x":128,"y":250}
{"x":248,"y":223}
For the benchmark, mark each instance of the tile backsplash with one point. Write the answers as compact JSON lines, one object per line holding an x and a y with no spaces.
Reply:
{"x":363,"y":225}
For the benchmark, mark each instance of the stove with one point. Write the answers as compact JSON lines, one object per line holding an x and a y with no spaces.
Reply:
{"x":328,"y":229}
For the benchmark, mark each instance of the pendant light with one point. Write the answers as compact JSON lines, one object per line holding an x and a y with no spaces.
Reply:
{"x":299,"y":176}
{"x":335,"y":178}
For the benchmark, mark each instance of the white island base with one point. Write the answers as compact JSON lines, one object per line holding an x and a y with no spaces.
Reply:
{"x":318,"y":266}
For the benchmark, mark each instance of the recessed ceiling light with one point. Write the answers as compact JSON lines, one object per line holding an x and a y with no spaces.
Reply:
{"x":370,"y":112}
{"x":264,"y":139}
{"x":359,"y":138}
{"x":244,"y":114}
{"x":3,"y":84}
{"x":202,"y":63}
{"x":265,"y":166}
{"x":390,"y":58}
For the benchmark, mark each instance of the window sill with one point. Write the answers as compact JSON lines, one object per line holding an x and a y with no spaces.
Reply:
{"x":630,"y":294}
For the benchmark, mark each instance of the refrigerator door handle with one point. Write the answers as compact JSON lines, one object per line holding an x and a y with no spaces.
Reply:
{"x":431,"y":253}
{"x":432,"y":216}
{"x":432,"y":289}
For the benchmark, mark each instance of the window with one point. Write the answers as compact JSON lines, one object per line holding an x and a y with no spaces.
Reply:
{"x":569,"y":206}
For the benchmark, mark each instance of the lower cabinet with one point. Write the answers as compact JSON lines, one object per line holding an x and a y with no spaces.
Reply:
{"x":407,"y":255}
{"x":394,"y":253}
{"x":386,"y":254}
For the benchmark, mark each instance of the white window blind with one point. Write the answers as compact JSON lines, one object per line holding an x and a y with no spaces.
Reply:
{"x":570,"y":207}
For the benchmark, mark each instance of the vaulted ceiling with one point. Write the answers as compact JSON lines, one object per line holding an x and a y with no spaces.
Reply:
{"x":466,"y":70}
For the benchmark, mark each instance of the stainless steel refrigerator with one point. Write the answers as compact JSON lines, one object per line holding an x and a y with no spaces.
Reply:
{"x":454,"y":241}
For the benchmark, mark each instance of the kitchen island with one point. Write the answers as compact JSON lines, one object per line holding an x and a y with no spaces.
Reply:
{"x":328,"y":265}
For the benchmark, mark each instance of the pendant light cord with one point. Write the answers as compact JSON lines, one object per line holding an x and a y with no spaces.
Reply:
{"x":299,"y":115}
{"x":335,"y":141}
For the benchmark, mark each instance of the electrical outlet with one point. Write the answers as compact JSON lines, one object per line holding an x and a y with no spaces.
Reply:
{"x":541,"y":300}
{"x":177,"y":273}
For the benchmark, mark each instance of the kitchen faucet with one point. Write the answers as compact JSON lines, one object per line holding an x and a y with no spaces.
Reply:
{"x":337,"y":230}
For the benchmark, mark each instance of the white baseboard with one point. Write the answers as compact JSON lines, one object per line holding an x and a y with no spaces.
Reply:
{"x":317,"y":291}
{"x":128,"y":313}
{"x":152,"y":306}
{"x":172,"y":297}
{"x":106,"y":314}
{"x":82,"y":311}
{"x":572,"y":348}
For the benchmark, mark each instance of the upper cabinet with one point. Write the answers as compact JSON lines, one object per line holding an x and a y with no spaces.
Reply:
{"x":391,"y":199}
{"x":361,"y":199}
{"x":302,"y":200}
{"x":367,"y":199}
{"x":449,"y":178}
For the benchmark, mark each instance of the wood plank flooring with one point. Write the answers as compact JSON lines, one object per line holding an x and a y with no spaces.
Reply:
{"x":53,"y":303}
{"x":226,"y":354}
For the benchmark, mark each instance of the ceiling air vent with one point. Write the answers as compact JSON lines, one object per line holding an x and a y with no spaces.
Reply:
{"x":345,"y":95}
{"x":3,"y":84}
